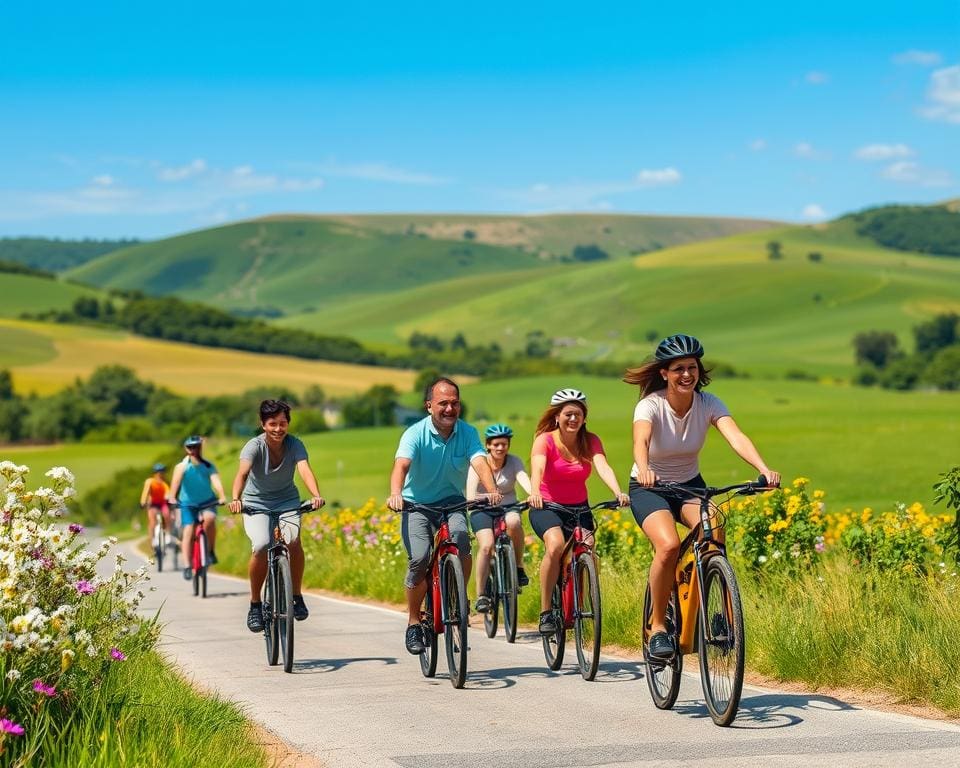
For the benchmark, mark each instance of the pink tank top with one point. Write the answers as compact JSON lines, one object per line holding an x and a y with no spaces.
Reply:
{"x":564,"y":482}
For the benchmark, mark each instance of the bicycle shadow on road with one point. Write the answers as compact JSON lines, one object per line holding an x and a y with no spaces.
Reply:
{"x":320,"y":666}
{"x":507,"y":677}
{"x":770,"y":710}
{"x":211,"y":595}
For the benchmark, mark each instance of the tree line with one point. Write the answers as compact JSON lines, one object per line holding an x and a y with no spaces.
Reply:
{"x":935,"y":361}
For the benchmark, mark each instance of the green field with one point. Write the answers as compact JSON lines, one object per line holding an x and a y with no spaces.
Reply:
{"x":46,"y":357}
{"x":24,"y":293}
{"x":863,"y":447}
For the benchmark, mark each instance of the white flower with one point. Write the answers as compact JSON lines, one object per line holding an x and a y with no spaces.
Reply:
{"x":14,"y":674}
{"x":762,"y":559}
{"x":61,"y":473}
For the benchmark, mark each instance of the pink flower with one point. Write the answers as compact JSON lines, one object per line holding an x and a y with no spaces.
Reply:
{"x":41,"y":687}
{"x":8,"y":726}
{"x":75,"y":528}
{"x":84,"y":587}
{"x":819,"y":546}
{"x":117,"y":655}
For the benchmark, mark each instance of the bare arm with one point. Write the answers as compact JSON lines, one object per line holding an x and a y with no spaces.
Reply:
{"x":175,"y":482}
{"x":609,"y":478}
{"x":479,"y":464}
{"x":218,"y":487}
{"x":523,"y":479}
{"x":745,"y":449}
{"x":642,"y":432}
{"x":239,"y":483}
{"x":538,"y":463}
{"x":310,"y":480}
{"x":399,"y":473}
{"x":473,"y":481}
{"x":146,"y":490}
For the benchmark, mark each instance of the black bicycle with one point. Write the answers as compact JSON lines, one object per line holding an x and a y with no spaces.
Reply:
{"x":704,"y":612}
{"x":502,"y":580}
{"x":277,"y":593}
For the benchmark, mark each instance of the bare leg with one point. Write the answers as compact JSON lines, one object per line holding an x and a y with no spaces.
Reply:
{"x":257,"y":571}
{"x":553,"y":542}
{"x":485,"y":547}
{"x":415,"y":597}
{"x":661,"y":529}
{"x":185,"y":540}
{"x":211,"y":529}
{"x":296,"y":565}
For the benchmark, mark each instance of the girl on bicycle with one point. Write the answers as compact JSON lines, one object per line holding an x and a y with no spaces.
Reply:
{"x":508,"y":470}
{"x":154,"y":499}
{"x":265,"y":480}
{"x":563,"y":455}
{"x":196,"y":486}
{"x":670,"y":425}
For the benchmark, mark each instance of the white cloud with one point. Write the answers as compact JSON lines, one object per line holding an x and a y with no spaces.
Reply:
{"x":651,"y":178}
{"x":817,"y":78}
{"x":943,"y":95}
{"x":807,"y":151}
{"x":591,"y":195}
{"x":813,"y":212}
{"x":758,"y":145}
{"x":379,"y":172}
{"x":183,"y":172}
{"x":883,"y":151}
{"x":104,"y":180}
{"x":923,"y":58}
{"x":909,"y":172}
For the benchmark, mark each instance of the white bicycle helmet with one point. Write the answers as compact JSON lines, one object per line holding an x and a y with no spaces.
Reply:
{"x":568,"y":395}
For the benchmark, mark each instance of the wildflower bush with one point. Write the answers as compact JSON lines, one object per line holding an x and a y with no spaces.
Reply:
{"x":64,"y":627}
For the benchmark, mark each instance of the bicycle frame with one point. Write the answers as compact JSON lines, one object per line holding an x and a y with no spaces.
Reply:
{"x":443,"y":545}
{"x":697,"y":547}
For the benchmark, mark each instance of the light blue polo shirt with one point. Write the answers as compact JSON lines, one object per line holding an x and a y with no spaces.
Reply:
{"x":438,"y":467}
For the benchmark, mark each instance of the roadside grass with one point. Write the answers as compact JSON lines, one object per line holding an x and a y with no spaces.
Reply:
{"x":837,"y":625}
{"x":145,"y":715}
{"x":183,"y":368}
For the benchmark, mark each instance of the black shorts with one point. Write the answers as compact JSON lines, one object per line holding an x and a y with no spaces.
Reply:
{"x":644,"y":502}
{"x":542,"y":520}
{"x":482,"y":520}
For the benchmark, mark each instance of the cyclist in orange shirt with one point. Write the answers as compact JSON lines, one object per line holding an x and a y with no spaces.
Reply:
{"x":154,"y":498}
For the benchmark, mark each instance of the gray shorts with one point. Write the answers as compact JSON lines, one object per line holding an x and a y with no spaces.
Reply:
{"x":257,"y":526}
{"x":418,"y":529}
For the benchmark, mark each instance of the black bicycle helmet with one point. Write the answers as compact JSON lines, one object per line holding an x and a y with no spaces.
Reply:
{"x":678,"y":345}
{"x":497,"y":430}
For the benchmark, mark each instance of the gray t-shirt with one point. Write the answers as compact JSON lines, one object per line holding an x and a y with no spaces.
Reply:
{"x":676,"y":442}
{"x":271,"y":487}
{"x":505,"y":477}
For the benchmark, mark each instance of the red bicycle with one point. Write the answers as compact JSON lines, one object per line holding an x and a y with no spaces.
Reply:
{"x":575,"y":600}
{"x":445,"y":608}
{"x":199,"y":548}
{"x":502,"y":580}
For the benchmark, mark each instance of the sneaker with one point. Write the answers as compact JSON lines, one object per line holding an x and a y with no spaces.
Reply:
{"x":187,"y":573}
{"x":660,"y":646}
{"x":212,"y":557}
{"x":255,"y":617}
{"x":522,"y":578}
{"x":548,"y":623}
{"x":414,"y":640}
{"x":483,"y":604}
{"x":300,"y":611}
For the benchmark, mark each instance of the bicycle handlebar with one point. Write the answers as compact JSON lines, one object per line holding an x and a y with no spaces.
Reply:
{"x":305,"y":506}
{"x":740,"y":489}
{"x":446,"y":509}
{"x":206,"y":505}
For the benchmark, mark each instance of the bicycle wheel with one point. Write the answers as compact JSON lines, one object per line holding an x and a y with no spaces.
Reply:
{"x":196,"y":562}
{"x":457,"y":615}
{"x":721,"y":642}
{"x":428,"y":659}
{"x":553,"y":645}
{"x":663,"y":677}
{"x":492,"y":616}
{"x":587,"y":615}
{"x":269,"y":598}
{"x":159,"y":545}
{"x":508,"y":566}
{"x":285,"y":611}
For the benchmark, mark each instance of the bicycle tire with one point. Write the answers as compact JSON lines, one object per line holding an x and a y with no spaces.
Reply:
{"x":588,"y":616}
{"x":492,"y":617}
{"x":159,"y":543}
{"x":196,"y":560}
{"x":285,"y":620}
{"x":509,"y":595}
{"x":555,"y":643}
{"x":721,"y":643}
{"x":428,"y":659}
{"x":663,"y":677}
{"x":454,"y":594}
{"x":269,"y":600}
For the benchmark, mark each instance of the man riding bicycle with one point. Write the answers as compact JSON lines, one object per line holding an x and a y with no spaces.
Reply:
{"x":431,"y":468}
{"x":265,"y":478}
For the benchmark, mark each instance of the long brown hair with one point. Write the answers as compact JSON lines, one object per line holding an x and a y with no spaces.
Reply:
{"x":648,"y":377}
{"x":548,"y":423}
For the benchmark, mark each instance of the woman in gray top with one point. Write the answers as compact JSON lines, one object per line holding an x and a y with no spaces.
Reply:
{"x":670,"y":425}
{"x":265,"y":479}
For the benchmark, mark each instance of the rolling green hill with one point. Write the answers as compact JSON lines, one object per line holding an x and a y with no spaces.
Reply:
{"x":54,"y":254}
{"x":25,"y":293}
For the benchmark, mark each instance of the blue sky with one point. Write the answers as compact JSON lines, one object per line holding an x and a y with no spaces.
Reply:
{"x":147,"y":121}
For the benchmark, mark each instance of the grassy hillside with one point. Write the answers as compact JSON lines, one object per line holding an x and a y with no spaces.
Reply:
{"x":46,"y":357}
{"x":25,"y":293}
{"x":54,"y":254}
{"x":761,"y":315}
{"x":864,"y":447}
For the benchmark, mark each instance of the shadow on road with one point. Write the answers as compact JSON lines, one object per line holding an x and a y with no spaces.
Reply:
{"x":211,"y":595}
{"x":770,"y":710}
{"x":507,"y":677}
{"x":315,"y":666}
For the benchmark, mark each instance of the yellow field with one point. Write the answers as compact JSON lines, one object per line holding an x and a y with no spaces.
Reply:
{"x":183,"y":368}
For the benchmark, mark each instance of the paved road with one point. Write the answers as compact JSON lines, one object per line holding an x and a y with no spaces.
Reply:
{"x":356,"y":698}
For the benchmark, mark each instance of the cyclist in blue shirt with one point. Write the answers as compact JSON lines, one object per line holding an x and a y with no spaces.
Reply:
{"x":431,"y":468}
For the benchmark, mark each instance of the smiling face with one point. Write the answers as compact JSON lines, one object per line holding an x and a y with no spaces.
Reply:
{"x":682,"y":375}
{"x":571,"y":418}
{"x":444,"y":407}
{"x":497,"y":447}
{"x":275,"y":428}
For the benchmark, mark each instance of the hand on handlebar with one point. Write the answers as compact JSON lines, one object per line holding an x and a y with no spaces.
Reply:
{"x":316,"y":502}
{"x":646,"y":477}
{"x":623,"y":499}
{"x":395,"y":502}
{"x":494,"y":499}
{"x":236,"y":506}
{"x":535,"y":500}
{"x":772,"y":478}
